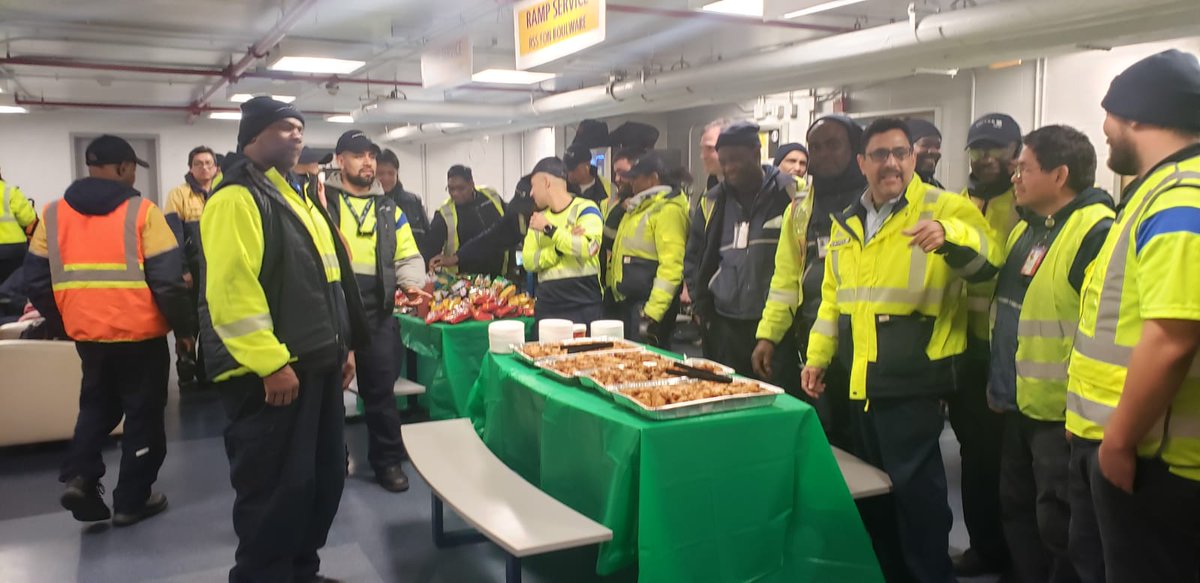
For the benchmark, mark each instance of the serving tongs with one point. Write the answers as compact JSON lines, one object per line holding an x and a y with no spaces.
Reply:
{"x":588,"y":347}
{"x":690,"y":371}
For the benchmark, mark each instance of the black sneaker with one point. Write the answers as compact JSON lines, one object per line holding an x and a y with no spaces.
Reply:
{"x":392,"y":479}
{"x":85,"y":500}
{"x":157,"y":502}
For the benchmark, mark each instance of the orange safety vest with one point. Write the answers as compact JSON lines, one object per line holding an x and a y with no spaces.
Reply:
{"x":96,"y":268}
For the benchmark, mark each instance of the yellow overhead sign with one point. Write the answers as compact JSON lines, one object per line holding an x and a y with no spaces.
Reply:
{"x":550,"y":29}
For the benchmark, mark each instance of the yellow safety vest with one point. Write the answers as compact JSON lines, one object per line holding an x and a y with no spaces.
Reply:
{"x":17,"y":216}
{"x":651,"y":236}
{"x":566,"y":254}
{"x":1002,"y":217}
{"x":787,"y":291}
{"x":1111,"y":320}
{"x":1049,"y":316}
{"x":886,"y":277}
{"x":449,"y":212}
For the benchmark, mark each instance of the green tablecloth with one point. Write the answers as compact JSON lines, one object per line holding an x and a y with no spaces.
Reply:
{"x":753,"y":495}
{"x":448,"y":360}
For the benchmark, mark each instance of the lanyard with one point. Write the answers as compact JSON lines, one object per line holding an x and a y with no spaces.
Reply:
{"x":361,"y":218}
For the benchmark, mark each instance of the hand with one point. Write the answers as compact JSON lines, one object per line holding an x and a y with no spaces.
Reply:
{"x":538,"y":222}
{"x":1118,"y":465}
{"x":684,"y":296}
{"x":281,"y":387}
{"x":812,"y":380}
{"x":348,"y":371}
{"x":653,"y":331}
{"x":187,"y":280}
{"x":414,"y":296}
{"x":928,"y":235}
{"x":185,"y":344}
{"x":436,"y":262}
{"x":760,"y":359}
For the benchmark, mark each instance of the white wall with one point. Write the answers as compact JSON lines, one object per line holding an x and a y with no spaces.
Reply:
{"x":1076,"y":83}
{"x":36,"y":155}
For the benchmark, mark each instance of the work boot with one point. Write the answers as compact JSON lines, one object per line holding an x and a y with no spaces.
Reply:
{"x":85,"y":499}
{"x":392,"y":479}
{"x":973,"y":564}
{"x":157,"y":502}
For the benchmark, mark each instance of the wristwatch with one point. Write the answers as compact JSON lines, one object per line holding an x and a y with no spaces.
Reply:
{"x":548,"y":230}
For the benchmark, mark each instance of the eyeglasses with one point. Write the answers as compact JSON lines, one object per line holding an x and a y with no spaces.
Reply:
{"x":977,"y":154}
{"x":882,"y":154}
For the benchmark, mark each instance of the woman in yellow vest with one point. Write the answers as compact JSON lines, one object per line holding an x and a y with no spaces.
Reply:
{"x":17,"y":221}
{"x":1064,"y":223}
{"x":646,"y":265}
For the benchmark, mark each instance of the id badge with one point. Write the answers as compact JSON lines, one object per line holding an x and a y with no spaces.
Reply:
{"x":741,"y":235}
{"x":1034,"y":260}
{"x":822,"y":247}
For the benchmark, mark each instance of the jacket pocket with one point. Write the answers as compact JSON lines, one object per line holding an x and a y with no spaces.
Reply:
{"x":902,"y":367}
{"x":637,"y":277}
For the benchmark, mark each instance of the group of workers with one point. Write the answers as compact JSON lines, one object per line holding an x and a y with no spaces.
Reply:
{"x":1058,"y":331}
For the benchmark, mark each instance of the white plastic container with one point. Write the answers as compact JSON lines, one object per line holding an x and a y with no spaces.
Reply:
{"x":608,"y":328}
{"x":554,"y":330}
{"x":504,"y":334}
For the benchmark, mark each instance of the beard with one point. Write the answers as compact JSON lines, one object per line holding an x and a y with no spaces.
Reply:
{"x":1122,"y":158}
{"x":361,"y":181}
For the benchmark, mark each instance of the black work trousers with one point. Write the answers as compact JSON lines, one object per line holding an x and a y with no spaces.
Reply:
{"x":378,"y":368}
{"x":1033,"y":499}
{"x":900,"y":436}
{"x":731,"y":342}
{"x":126,"y":379}
{"x":979,"y":431}
{"x":287,"y":466}
{"x":1150,"y":535}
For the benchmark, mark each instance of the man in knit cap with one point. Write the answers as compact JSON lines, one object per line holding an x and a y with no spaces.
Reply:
{"x":280,"y":313}
{"x":1133,"y":392}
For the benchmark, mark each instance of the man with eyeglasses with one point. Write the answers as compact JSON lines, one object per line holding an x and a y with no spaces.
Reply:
{"x":993,"y":143}
{"x":893,"y":312}
{"x":384,"y":257}
{"x":468,"y":212}
{"x":184,"y":205}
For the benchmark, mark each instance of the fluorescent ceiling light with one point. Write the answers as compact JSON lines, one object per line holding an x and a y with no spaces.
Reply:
{"x":244,"y":97}
{"x":736,"y":7}
{"x":13,"y":109}
{"x":317,"y":65}
{"x":508,"y":77}
{"x":230,"y":115}
{"x":822,"y":7}
{"x":340,"y":119}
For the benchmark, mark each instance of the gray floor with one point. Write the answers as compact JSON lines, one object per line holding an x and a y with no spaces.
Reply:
{"x":377,"y":537}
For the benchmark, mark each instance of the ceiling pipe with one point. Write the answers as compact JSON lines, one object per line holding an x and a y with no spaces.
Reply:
{"x":719,"y":18}
{"x":64,"y":63}
{"x":18,"y":100}
{"x":257,"y":51}
{"x":966,"y":37}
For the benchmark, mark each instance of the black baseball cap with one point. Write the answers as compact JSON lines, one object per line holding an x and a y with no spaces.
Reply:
{"x":576,"y":155}
{"x":356,"y":141}
{"x":994,"y":128}
{"x":648,"y":164}
{"x":552,"y":166}
{"x":109,"y":149}
{"x":314,"y":156}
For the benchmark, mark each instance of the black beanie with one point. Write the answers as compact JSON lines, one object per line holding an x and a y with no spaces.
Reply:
{"x":919,"y":128}
{"x":1162,"y":90}
{"x":259,"y":113}
{"x":741,"y":133}
{"x":786,"y":149}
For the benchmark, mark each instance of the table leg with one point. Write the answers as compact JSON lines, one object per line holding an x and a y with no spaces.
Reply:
{"x":512,"y":570}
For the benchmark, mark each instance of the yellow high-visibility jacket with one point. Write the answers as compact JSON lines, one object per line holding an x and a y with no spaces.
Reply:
{"x":895,"y":315}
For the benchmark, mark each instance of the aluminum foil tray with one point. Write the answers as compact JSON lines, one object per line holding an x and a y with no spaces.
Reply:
{"x":700,"y":407}
{"x":618,"y":344}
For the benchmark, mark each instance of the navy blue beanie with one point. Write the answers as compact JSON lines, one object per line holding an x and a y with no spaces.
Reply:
{"x":1162,"y":90}
{"x":786,"y":149}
